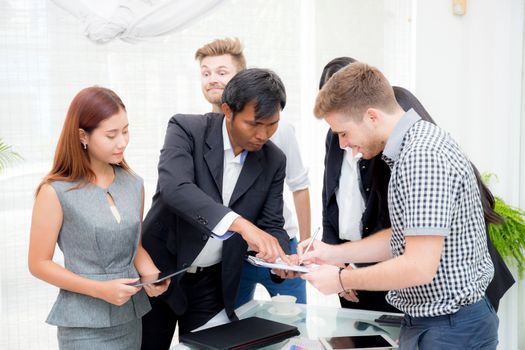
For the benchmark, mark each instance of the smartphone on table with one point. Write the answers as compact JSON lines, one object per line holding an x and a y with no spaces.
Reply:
{"x":354,"y":342}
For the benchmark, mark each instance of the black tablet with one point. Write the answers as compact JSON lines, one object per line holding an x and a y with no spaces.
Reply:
{"x":156,"y":278}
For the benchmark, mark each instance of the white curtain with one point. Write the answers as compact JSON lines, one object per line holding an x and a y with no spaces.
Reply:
{"x":134,"y":20}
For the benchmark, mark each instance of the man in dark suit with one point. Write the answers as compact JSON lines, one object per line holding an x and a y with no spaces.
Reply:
{"x":219,"y":192}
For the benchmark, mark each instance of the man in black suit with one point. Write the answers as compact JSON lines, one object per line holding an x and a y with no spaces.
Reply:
{"x":219,"y":192}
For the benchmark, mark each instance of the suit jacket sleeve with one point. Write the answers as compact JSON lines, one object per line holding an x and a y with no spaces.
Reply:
{"x":330,"y":234}
{"x":176,"y":185}
{"x":271,"y":218}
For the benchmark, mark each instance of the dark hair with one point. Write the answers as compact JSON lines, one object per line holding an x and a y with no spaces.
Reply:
{"x":407,"y":101}
{"x":333,"y":66}
{"x":260,"y":85}
{"x":487,"y":200}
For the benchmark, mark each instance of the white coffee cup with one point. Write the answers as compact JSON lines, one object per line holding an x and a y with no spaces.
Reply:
{"x":284,"y":304}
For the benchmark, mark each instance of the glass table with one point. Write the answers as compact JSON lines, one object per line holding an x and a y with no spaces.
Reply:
{"x":315,"y":322}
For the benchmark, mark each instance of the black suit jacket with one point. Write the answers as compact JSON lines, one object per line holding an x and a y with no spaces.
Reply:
{"x":374,"y":176}
{"x":188,"y":202}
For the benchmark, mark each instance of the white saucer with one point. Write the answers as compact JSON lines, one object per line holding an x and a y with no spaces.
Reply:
{"x":296,"y":311}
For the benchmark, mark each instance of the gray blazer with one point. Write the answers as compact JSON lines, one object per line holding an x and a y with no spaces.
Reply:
{"x":188,"y":202}
{"x":95,"y":246}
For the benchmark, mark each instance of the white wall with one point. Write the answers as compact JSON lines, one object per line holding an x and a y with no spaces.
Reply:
{"x":469,"y":76}
{"x":377,"y":32}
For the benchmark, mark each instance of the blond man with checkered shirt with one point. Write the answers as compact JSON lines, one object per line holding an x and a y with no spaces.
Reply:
{"x":434,"y":260}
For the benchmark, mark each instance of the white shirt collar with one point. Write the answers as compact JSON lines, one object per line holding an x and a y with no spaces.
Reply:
{"x":241,"y":157}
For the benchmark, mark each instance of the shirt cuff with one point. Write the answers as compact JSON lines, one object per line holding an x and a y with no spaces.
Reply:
{"x":427,"y":231}
{"x":220,"y":231}
{"x":299,"y":182}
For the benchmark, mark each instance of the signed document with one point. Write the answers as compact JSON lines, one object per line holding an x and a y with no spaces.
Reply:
{"x":278,"y":265}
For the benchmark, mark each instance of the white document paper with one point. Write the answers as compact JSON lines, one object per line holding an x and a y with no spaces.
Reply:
{"x":278,"y":265}
{"x":217,"y":320}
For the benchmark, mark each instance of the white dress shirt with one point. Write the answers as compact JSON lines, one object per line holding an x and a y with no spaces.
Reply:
{"x":349,"y":198}
{"x":211,"y":254}
{"x":296,"y":173}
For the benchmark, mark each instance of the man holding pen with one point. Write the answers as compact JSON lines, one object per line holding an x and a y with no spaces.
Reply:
{"x":434,"y":260}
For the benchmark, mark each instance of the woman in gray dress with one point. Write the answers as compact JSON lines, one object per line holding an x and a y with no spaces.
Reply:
{"x":91,"y":204}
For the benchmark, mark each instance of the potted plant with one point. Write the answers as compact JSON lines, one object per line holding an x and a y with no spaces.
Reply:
{"x":7,"y":155}
{"x":509,"y":237}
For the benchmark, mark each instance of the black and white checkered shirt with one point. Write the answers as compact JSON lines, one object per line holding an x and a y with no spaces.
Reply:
{"x":433,"y":191}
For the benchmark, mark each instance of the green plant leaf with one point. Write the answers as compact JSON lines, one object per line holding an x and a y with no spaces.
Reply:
{"x":509,"y":238}
{"x":488,"y":177}
{"x":7,"y":155}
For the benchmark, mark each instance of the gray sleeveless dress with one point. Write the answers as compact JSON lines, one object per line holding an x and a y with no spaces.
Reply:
{"x":97,"y":247}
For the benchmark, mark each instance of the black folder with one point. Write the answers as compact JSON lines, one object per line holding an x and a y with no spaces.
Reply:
{"x":249,"y":333}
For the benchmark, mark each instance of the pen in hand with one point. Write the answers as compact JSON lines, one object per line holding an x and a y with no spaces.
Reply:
{"x":309,"y":244}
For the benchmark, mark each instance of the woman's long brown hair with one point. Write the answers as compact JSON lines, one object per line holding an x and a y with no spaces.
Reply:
{"x":88,"y":109}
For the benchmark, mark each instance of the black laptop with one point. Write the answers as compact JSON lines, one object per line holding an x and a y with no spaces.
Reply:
{"x":249,"y":333}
